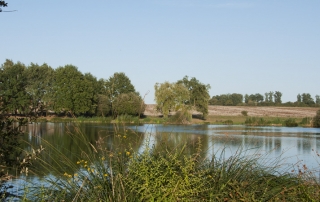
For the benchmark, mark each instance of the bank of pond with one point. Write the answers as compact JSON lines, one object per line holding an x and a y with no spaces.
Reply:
{"x":216,"y":120}
{"x":160,"y":162}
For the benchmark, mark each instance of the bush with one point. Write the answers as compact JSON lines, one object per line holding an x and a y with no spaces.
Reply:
{"x":290,"y":123}
{"x":128,"y":103}
{"x":244,"y":113}
{"x":253,"y":121}
{"x":316,"y":120}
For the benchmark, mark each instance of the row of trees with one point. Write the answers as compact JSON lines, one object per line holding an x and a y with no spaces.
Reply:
{"x":40,"y":88}
{"x":182,"y":95}
{"x":270,"y":99}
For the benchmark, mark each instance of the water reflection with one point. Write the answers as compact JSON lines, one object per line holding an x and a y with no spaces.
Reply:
{"x":294,"y":145}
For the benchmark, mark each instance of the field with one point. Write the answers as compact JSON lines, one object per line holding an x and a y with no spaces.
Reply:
{"x":285,"y":112}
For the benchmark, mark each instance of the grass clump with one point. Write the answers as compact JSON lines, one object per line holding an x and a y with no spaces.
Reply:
{"x":290,"y":123}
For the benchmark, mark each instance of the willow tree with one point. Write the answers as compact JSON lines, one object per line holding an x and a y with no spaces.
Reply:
{"x":170,"y":97}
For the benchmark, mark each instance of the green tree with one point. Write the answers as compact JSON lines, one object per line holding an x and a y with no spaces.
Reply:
{"x":307,"y":99}
{"x":13,"y":82}
{"x":277,"y":97}
{"x":117,"y":84}
{"x":199,"y":94}
{"x":299,"y":98}
{"x":74,"y":92}
{"x":39,"y":86}
{"x":103,"y":106}
{"x":236,"y":98}
{"x":170,"y":97}
{"x":128,"y":103}
{"x":246,"y":98}
{"x":317,"y":99}
{"x":270,"y":96}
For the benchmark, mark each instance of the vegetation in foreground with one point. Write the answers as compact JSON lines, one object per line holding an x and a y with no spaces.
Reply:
{"x":162,"y":173}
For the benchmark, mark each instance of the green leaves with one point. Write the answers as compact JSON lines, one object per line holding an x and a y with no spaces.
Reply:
{"x":170,"y":96}
{"x":12,"y":87}
{"x":74,"y":92}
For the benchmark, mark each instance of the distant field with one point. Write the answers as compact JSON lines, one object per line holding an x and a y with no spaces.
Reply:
{"x":294,"y":112}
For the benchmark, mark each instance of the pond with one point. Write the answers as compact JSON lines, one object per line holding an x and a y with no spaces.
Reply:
{"x":295,"y":145}
{"x":291,"y":148}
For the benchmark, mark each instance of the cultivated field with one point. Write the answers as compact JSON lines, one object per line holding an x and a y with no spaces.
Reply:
{"x":297,"y":112}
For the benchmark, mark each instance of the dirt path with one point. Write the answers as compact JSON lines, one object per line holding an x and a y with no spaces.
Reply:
{"x":252,"y":111}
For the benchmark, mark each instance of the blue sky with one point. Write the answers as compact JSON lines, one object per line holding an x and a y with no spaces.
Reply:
{"x":235,"y":46}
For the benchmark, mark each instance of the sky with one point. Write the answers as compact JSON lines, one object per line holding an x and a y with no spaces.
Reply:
{"x":244,"y":47}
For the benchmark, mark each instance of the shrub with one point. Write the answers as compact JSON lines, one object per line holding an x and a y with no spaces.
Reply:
{"x":316,"y":120}
{"x":290,"y":123}
{"x":228,"y":122}
{"x":128,"y":103}
{"x":244,"y":113}
{"x":253,"y":121}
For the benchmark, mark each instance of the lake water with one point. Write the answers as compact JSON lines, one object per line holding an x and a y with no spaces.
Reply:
{"x":290,"y":147}
{"x":295,"y":145}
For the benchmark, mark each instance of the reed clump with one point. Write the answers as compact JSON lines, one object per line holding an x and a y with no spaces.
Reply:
{"x":162,"y":173}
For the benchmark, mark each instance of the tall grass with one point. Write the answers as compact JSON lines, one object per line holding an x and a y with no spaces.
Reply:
{"x":161,"y":173}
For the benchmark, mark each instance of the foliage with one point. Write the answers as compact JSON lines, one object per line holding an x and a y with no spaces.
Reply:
{"x":255,"y":121}
{"x":118,"y":84}
{"x":103,"y":105}
{"x":170,"y":97}
{"x":39,"y":86}
{"x":307,"y":99}
{"x":74,"y":92}
{"x":128,"y":103}
{"x":316,"y":120}
{"x":13,"y":96}
{"x":290,"y":123}
{"x":181,"y":117}
{"x":277,"y":97}
{"x":244,"y":113}
{"x":199,"y":94}
{"x":233,"y":99}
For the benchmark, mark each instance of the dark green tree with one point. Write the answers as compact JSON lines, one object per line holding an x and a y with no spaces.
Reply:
{"x":199,"y":94}
{"x":39,"y":86}
{"x":246,"y":98}
{"x":74,"y":92}
{"x":13,"y":82}
{"x":117,"y":84}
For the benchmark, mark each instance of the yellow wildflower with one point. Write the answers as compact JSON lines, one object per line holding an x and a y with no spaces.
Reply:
{"x":106,"y":175}
{"x":103,"y":158}
{"x":128,"y":153}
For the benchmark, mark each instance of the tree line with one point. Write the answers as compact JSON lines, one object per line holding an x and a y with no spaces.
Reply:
{"x":40,"y":89}
{"x":269,"y":99}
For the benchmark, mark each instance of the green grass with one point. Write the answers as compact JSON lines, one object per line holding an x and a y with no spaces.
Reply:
{"x":163,"y":173}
